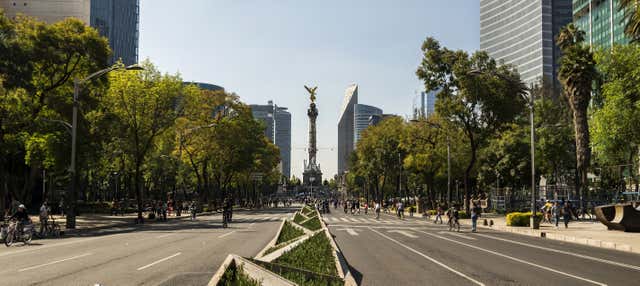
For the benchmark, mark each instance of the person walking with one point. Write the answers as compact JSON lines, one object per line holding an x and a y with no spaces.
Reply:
{"x":475,"y":213}
{"x":377,"y":208}
{"x":401,"y":210}
{"x":439,"y":212}
{"x":555,"y":212}
{"x":567,"y":212}
{"x":44,"y":218}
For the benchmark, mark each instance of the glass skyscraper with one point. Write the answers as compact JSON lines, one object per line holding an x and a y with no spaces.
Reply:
{"x":361,"y":115}
{"x":118,"y":20}
{"x":277,"y":122}
{"x":522,"y":33}
{"x":601,"y":20}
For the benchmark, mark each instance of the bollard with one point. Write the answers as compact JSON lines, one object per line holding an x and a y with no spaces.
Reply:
{"x":490,"y":222}
{"x":543,"y":234}
{"x":485,"y":223}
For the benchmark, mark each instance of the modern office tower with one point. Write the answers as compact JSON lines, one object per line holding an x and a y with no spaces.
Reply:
{"x":361,"y":115}
{"x":277,"y":122}
{"x":346,"y":127}
{"x":522,"y":33}
{"x":428,"y":102}
{"x":116,"y":20}
{"x":601,"y":20}
{"x":264,"y":113}
{"x":47,"y":10}
{"x":282,"y":128}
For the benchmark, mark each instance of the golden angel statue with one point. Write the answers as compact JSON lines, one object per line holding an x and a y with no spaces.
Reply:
{"x":312,"y":91}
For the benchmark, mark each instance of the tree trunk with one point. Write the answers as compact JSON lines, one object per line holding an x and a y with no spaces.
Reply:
{"x":138,"y":191}
{"x":583,"y":151}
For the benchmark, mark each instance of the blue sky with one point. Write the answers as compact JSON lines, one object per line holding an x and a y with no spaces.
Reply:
{"x":269,"y":49}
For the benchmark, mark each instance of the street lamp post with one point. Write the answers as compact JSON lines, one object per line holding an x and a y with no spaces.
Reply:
{"x":530,"y":100}
{"x":77,"y":86}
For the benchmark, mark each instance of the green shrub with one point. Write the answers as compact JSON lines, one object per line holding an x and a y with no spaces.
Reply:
{"x":301,"y":279}
{"x":520,"y":218}
{"x":464,"y":215}
{"x":298,"y":218}
{"x":315,"y":254}
{"x":288,"y":232}
{"x":308,"y":210}
{"x":313,"y":224}
{"x":237,"y":277}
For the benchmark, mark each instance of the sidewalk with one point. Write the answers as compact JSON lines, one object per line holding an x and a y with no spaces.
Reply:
{"x":591,"y":233}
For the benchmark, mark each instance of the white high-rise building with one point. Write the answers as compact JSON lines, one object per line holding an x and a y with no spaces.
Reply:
{"x":346,"y":127}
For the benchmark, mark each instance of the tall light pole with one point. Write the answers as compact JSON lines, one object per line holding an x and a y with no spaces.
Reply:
{"x":77,"y":86}
{"x":530,"y":101}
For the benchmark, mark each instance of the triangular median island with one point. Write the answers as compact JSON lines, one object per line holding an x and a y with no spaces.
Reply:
{"x":302,"y":253}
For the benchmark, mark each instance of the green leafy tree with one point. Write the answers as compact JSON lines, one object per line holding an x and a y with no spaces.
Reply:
{"x":631,"y":17}
{"x":616,"y":124}
{"x":476,"y":94}
{"x":141,"y":106}
{"x":577,"y":73}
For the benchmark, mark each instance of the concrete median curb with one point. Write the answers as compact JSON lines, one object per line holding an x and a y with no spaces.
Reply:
{"x":252,"y":270}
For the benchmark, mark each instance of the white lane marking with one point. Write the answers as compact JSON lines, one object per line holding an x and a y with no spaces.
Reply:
{"x":57,"y":244}
{"x":429,"y":258}
{"x":344,"y":219}
{"x":515,"y":259}
{"x":350,"y":231}
{"x":404,"y":232}
{"x":228,"y":233}
{"x":335,"y":219}
{"x":456,"y":234}
{"x":251,"y":224}
{"x":54,"y":262}
{"x":268,"y":218}
{"x":158,"y":261}
{"x":165,"y":235}
{"x":564,"y":252}
{"x":353,"y":220}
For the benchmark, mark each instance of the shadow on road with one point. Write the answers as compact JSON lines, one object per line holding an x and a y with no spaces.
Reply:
{"x":127,"y":225}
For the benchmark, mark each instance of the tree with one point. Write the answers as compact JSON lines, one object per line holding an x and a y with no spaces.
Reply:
{"x":141,"y":106}
{"x":379,"y":155}
{"x":615,"y":125}
{"x":38,"y":63}
{"x":631,"y":17}
{"x":577,"y":73}
{"x":475,"y":94}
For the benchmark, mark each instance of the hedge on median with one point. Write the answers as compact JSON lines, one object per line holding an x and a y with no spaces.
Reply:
{"x":235,"y":276}
{"x":312,"y":224}
{"x":315,"y":255}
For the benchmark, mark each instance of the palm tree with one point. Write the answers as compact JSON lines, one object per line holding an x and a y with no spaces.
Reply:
{"x":577,"y":73}
{"x":631,"y":17}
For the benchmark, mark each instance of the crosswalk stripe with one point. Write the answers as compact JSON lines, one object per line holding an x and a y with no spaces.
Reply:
{"x":344,"y":219}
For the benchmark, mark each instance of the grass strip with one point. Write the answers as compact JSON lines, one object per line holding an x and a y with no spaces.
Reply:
{"x":315,"y":254}
{"x":313,"y":224}
{"x":298,"y":218}
{"x":288,"y":232}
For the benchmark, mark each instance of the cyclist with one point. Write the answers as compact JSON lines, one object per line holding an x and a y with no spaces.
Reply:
{"x":227,"y":209}
{"x":22,"y":217}
{"x":453,"y":219}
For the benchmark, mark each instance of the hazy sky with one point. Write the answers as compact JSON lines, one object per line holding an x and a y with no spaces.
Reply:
{"x":269,"y":49}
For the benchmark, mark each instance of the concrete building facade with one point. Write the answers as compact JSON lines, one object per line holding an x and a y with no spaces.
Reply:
{"x":601,"y":20}
{"x":346,"y":127}
{"x":361,"y":115}
{"x":117,"y":20}
{"x":522,"y":33}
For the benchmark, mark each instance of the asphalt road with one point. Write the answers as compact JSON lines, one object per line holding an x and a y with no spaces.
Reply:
{"x":390,"y":251}
{"x":178,"y":252}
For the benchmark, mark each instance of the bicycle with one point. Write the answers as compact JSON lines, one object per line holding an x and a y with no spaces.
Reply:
{"x":13,"y":234}
{"x":454,"y":223}
{"x":226,"y":218}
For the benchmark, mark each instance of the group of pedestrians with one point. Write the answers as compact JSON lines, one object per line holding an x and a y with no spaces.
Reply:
{"x":557,"y":210}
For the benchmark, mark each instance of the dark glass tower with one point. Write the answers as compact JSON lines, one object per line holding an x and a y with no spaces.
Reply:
{"x":118,"y":20}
